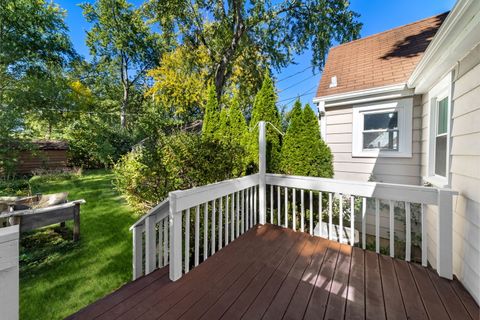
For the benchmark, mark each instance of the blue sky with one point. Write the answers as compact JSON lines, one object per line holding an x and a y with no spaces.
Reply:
{"x":376,"y":16}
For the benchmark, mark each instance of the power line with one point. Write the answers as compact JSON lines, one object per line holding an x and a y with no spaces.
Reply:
{"x":297,"y":83}
{"x":293,"y":75}
{"x":293,"y":98}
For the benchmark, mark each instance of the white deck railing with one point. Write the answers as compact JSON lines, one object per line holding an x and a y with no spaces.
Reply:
{"x":204,"y":219}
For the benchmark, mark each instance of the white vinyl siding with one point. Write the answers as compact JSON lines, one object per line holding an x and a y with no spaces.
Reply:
{"x":393,"y":170}
{"x":464,"y":171}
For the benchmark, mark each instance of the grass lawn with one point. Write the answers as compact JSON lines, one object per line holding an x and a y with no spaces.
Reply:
{"x":59,"y":277}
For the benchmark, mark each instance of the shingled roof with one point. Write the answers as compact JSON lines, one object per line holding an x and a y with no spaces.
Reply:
{"x":386,"y":58}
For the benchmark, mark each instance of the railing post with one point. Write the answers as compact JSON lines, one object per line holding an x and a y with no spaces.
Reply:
{"x":9,"y":288}
{"x":262,"y":160}
{"x":137,"y":253}
{"x":444,"y":234}
{"x":175,"y":219}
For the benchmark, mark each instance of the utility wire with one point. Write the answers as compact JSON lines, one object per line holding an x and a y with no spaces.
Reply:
{"x":295,"y":74}
{"x":297,"y":83}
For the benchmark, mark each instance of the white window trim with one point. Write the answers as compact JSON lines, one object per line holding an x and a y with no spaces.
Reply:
{"x":440,"y":91}
{"x":404,"y":108}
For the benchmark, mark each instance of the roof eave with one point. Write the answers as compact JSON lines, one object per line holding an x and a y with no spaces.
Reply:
{"x":454,"y":39}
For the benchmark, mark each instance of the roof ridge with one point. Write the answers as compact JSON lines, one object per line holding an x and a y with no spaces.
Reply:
{"x":391,"y":29}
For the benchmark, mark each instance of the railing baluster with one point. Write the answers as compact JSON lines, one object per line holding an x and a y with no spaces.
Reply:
{"x":294,"y":209}
{"x":160,"y":243}
{"x":352,"y":221}
{"x":377,"y":225}
{"x":302,"y":211}
{"x":137,"y":253}
{"x":364,"y":223}
{"x":392,"y":229}
{"x":187,"y":240}
{"x":408,"y":232}
{"x":330,"y":216}
{"x":150,"y":233}
{"x":232,"y":219}
{"x":197,"y":235}
{"x":166,"y":240}
{"x":311,"y":212}
{"x":214,"y":224}
{"x":286,"y":207}
{"x":340,"y":220}
{"x":250,"y":201}
{"x":320,"y":212}
{"x":279,"y":205}
{"x":247,"y":209}
{"x":255,"y":216}
{"x":271,"y":204}
{"x":227,"y":207}
{"x":220,"y":224}
{"x":205,"y":231}
{"x":243,"y":211}
{"x":424,"y":237}
{"x":237,"y":213}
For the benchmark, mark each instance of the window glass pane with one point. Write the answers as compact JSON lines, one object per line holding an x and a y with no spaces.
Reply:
{"x":386,"y":120}
{"x":441,"y":156}
{"x":442,"y":116}
{"x":387,"y":140}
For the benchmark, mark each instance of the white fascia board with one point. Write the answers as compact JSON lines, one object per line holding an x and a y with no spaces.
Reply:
{"x":454,"y":39}
{"x":395,"y":91}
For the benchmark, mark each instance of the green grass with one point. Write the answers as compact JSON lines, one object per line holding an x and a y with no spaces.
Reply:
{"x":59,"y":277}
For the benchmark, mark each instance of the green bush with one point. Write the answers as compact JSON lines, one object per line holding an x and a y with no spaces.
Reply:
{"x":95,"y":144}
{"x":180,"y":161}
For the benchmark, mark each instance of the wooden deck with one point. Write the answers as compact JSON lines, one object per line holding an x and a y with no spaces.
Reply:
{"x":275,"y":273}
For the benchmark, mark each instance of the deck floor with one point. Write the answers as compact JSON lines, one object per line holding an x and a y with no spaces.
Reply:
{"x":275,"y":273}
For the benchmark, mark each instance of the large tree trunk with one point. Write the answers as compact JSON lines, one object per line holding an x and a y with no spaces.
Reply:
{"x":123,"y":108}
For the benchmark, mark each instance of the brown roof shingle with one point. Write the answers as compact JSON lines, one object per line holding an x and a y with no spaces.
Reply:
{"x":378,"y":60}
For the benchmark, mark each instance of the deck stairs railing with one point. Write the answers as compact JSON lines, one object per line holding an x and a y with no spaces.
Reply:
{"x":191,"y":225}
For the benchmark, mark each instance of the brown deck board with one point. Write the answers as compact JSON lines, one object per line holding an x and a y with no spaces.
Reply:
{"x":299,"y":302}
{"x":411,"y":298}
{"x":394,"y":307}
{"x":355,"y":309}
{"x":338,"y":290}
{"x":374,"y":303}
{"x":273,"y":273}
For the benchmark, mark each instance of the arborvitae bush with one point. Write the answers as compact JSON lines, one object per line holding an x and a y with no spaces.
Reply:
{"x":211,"y":117}
{"x":264,"y":109}
{"x":303,"y":151}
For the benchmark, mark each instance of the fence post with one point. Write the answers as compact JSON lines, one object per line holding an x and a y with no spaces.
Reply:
{"x":444,"y":234}
{"x":9,"y":272}
{"x":262,"y":160}
{"x":175,"y":219}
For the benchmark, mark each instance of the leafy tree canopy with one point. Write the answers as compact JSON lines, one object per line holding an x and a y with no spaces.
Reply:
{"x":272,"y":32}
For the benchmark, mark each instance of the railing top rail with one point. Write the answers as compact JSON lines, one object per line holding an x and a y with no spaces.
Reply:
{"x":397,"y":192}
{"x":192,"y":197}
{"x":162,"y":208}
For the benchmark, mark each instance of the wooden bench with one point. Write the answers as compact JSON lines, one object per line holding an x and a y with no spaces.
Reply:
{"x":31,"y":219}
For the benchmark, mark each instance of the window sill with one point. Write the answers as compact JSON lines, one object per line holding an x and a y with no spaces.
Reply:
{"x":436,"y":181}
{"x":379,"y":154}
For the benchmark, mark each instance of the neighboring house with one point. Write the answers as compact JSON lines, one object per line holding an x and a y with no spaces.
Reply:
{"x":43,"y":155}
{"x":403,"y":106}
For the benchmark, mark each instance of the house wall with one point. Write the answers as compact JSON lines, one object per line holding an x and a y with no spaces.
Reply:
{"x":464,"y":173}
{"x":393,"y":170}
{"x":41,"y":159}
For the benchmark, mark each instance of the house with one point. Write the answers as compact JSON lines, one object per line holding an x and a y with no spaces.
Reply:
{"x":403,"y":106}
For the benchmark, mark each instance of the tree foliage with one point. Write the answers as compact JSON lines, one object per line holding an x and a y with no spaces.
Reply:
{"x":211,"y":119}
{"x":121,"y":43}
{"x":270,"y":31}
{"x":303,"y":151}
{"x":264,"y":109}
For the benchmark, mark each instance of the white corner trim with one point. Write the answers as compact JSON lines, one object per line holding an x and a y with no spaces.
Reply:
{"x":457,"y":35}
{"x":395,"y":91}
{"x":405,"y":111}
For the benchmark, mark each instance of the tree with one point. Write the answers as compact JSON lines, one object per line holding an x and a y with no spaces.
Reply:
{"x":272,"y":31}
{"x":264,"y":109}
{"x":122,"y":43}
{"x":33,"y":40}
{"x":180,"y":82}
{"x":211,"y":119}
{"x":303,"y":151}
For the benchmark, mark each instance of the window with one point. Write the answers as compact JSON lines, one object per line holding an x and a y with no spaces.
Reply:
{"x":383,"y":129}
{"x":441,"y":137}
{"x":439,"y":133}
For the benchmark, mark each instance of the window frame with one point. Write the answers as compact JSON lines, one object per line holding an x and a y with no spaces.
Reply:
{"x":404,"y":109}
{"x":442,"y":90}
